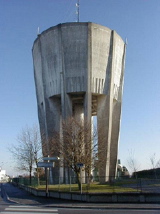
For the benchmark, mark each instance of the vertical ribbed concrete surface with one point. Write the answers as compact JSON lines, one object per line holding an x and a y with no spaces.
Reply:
{"x":78,"y":69}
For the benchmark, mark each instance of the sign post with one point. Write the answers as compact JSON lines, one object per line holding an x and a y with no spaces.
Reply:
{"x":47,"y":165}
{"x":80,"y":165}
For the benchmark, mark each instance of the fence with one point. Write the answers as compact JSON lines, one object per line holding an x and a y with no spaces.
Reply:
{"x":95,"y":186}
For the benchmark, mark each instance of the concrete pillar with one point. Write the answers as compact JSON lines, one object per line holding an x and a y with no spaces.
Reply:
{"x":104,"y":136}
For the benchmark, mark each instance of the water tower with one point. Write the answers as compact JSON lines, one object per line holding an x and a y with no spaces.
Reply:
{"x":79,"y":69}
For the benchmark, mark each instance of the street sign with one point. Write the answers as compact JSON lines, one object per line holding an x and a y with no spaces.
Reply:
{"x":80,"y":164}
{"x":51,"y":158}
{"x":45,"y":164}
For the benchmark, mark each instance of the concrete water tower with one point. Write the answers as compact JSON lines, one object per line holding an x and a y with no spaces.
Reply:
{"x":79,"y":69}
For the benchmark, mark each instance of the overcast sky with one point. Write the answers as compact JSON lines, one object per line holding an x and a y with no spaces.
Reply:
{"x":136,"y":20}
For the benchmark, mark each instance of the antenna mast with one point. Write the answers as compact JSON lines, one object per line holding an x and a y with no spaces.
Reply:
{"x":77,"y":11}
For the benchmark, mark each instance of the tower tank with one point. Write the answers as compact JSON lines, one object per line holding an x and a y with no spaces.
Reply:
{"x":79,"y":70}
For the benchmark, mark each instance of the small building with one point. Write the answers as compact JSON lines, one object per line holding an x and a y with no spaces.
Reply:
{"x":122,"y":171}
{"x":3,"y":176}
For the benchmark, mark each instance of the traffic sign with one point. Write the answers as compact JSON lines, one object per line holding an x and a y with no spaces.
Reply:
{"x":51,"y":158}
{"x":80,"y":164}
{"x":45,"y":164}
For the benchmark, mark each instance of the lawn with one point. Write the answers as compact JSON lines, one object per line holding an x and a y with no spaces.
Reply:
{"x":93,"y":188}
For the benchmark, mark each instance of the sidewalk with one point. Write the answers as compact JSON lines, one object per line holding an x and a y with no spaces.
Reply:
{"x":19,"y":196}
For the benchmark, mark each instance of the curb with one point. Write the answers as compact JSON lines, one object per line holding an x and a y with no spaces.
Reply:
{"x":110,"y":206}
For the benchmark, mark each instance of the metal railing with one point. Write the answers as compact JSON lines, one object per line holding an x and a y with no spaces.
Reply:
{"x":109,"y":184}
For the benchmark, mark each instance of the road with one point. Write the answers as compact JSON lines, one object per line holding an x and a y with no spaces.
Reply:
{"x":19,"y":209}
{"x":17,"y":201}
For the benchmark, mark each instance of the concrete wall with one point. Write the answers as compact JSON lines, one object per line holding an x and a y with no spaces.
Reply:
{"x":84,"y":60}
{"x":99,"y":197}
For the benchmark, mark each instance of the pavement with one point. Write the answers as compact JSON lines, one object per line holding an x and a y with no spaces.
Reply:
{"x":15,"y":195}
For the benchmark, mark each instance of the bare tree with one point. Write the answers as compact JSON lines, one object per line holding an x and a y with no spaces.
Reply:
{"x":78,"y":145}
{"x":154,"y":163}
{"x":27,"y":151}
{"x":132,"y":163}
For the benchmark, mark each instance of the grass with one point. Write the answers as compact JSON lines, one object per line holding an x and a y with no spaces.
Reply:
{"x":94,"y":188}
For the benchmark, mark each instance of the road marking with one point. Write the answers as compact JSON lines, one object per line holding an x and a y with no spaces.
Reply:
{"x":28,"y":209}
{"x":31,"y":209}
{"x":23,"y":206}
{"x":26,"y":212}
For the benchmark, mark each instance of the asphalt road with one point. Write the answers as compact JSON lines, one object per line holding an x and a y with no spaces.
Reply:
{"x":14,"y":194}
{"x":12,"y":209}
{"x":84,"y":211}
{"x":18,"y":201}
